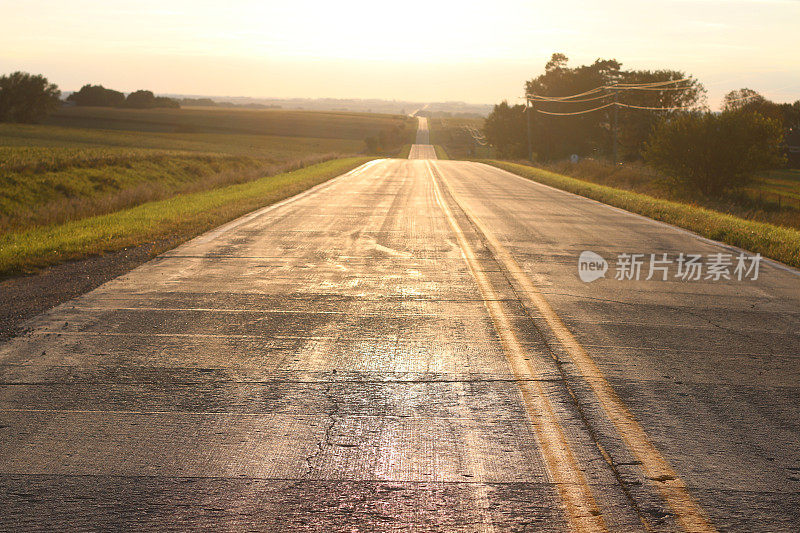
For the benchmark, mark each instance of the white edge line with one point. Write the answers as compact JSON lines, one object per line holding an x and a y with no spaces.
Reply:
{"x":685,"y":231}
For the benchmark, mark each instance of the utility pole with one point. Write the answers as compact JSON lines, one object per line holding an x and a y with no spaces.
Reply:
{"x":528,"y":106}
{"x":615,"y":128}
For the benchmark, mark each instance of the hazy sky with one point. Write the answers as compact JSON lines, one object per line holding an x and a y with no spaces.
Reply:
{"x":415,"y":50}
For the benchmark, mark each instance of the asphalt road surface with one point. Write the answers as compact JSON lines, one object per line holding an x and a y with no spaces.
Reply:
{"x":422,"y":149}
{"x":410,"y":347}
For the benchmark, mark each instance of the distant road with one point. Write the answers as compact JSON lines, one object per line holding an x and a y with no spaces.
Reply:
{"x":422,"y":149}
{"x":409,"y":346}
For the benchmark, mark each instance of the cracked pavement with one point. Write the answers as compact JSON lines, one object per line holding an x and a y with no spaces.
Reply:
{"x":350,"y":361}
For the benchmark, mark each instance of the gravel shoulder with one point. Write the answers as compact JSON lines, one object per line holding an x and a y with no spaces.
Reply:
{"x":24,"y":297}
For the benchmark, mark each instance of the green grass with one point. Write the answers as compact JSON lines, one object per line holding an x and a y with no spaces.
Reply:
{"x":441,"y":153}
{"x":781,"y":184}
{"x":59,"y":179}
{"x":52,"y":175}
{"x":779,"y":243}
{"x":758,"y":202}
{"x":179,"y":217}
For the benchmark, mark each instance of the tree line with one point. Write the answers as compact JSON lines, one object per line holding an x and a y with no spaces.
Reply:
{"x":29,"y":98}
{"x":603,"y":111}
{"x":97,"y":95}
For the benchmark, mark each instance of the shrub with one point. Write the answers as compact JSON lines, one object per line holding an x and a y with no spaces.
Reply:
{"x":713,"y":153}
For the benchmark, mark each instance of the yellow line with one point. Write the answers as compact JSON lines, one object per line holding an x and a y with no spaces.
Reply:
{"x":581,"y":510}
{"x":689,"y":514}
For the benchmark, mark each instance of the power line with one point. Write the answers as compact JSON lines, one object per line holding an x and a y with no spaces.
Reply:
{"x":654,"y":108}
{"x":554,"y":98}
{"x":476,"y":135}
{"x":743,"y":98}
{"x":547,"y":99}
{"x":653,"y":86}
{"x":577,"y":112}
{"x":619,"y":104}
{"x":610,"y":91}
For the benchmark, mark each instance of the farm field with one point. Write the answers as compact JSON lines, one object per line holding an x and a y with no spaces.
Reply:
{"x":280,"y":122}
{"x":52,"y":175}
{"x":172,"y":219}
{"x":451,"y":135}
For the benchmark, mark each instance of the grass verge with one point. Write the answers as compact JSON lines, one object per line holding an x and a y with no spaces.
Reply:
{"x":441,"y":153}
{"x":779,"y":243}
{"x":186,"y":215}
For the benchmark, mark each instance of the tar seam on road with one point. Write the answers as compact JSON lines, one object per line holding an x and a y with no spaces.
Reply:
{"x":581,"y":509}
{"x":688,"y":512}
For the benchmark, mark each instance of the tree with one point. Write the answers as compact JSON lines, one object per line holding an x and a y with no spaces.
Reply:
{"x":556,"y":137}
{"x":750,"y":100}
{"x":715,"y":153}
{"x":635,"y":125}
{"x":164,"y":101}
{"x":26,"y":97}
{"x":587,"y":127}
{"x":557,"y":61}
{"x":791,"y":116}
{"x":97,"y":95}
{"x":147,"y":100}
{"x":140,"y":99}
{"x":742,"y":99}
{"x":505,"y":130}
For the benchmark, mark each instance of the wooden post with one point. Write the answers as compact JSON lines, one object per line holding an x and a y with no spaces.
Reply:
{"x":616,"y":128}
{"x":528,"y":105}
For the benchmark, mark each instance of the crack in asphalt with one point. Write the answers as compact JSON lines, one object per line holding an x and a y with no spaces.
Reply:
{"x":326,"y":436}
{"x":726,"y":328}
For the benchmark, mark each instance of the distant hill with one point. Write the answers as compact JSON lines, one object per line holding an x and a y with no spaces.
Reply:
{"x":436,"y":109}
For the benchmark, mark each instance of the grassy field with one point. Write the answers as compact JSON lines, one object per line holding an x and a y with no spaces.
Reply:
{"x":771,"y":240}
{"x":53,"y":174}
{"x":778,"y":186}
{"x":177,"y":218}
{"x":451,"y":135}
{"x":89,"y":162}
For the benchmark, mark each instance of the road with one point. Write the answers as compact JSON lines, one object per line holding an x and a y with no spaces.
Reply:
{"x":410,"y":347}
{"x":422,"y":148}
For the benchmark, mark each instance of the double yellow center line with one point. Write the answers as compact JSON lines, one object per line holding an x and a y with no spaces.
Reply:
{"x":581,"y":510}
